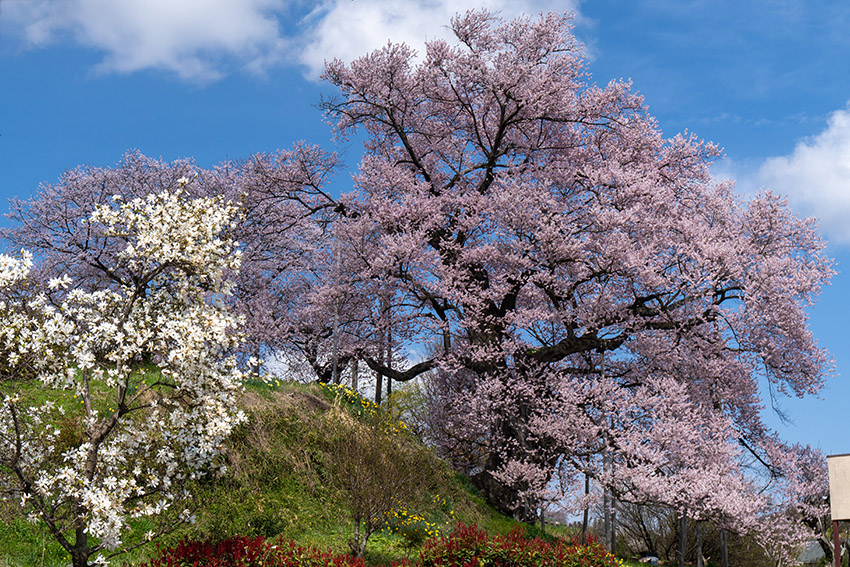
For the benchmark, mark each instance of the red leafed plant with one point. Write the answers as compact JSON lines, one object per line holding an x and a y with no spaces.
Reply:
{"x":468,"y":546}
{"x":242,"y":551}
{"x":465,"y":546}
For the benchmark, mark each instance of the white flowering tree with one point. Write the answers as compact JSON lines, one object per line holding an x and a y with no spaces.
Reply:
{"x":112,"y":400}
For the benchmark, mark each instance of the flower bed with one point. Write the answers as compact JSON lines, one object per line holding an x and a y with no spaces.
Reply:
{"x":465,"y":546}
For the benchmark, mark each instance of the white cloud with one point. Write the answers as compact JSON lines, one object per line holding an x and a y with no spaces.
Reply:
{"x":344,"y":29}
{"x":202,"y":39}
{"x":816,"y":177}
{"x":193,"y":38}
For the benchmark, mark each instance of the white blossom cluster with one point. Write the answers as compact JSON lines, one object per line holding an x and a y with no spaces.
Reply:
{"x":140,"y":387}
{"x":14,"y":269}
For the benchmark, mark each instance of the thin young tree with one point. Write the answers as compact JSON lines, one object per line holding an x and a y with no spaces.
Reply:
{"x":378,"y":471}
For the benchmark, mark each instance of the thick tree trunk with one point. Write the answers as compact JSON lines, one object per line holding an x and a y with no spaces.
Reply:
{"x":503,"y":498}
{"x":79,"y":559}
{"x":683,"y":538}
{"x":512,"y":438}
{"x":513,"y":501}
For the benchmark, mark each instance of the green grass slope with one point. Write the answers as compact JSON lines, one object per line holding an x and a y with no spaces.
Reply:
{"x":277,"y":484}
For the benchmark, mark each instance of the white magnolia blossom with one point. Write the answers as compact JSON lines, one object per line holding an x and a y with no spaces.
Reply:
{"x":14,"y":269}
{"x":142,"y":392}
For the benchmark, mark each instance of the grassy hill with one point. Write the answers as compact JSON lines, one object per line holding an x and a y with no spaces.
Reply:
{"x":279,"y":483}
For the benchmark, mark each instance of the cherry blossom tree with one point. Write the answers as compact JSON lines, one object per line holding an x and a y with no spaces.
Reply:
{"x":288,"y":256}
{"x":602,"y":305}
{"x":113,"y":398}
{"x":798,"y":508}
{"x":285,"y":236}
{"x":50,"y":223}
{"x":586,"y":299}
{"x":809,"y":480}
{"x":313,"y":290}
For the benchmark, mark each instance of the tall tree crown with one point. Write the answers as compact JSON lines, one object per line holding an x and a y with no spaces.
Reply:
{"x":534,"y":222}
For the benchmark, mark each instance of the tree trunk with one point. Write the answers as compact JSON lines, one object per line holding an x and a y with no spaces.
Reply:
{"x":388,"y":360}
{"x":503,"y":498}
{"x":258,"y":364}
{"x":79,"y":559}
{"x":354,"y":544}
{"x":826,"y":547}
{"x":724,"y":550}
{"x":606,"y":518}
{"x":517,"y":501}
{"x":379,"y":381}
{"x":80,"y":552}
{"x":613,"y":525}
{"x":355,"y":374}
{"x":683,"y":538}
{"x":700,"y":562}
{"x":335,"y":356}
{"x":586,"y":514}
{"x":606,"y":506}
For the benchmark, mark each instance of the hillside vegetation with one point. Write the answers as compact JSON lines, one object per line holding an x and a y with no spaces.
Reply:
{"x":281,"y":481}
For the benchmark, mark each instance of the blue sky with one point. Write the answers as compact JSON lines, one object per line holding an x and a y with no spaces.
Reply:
{"x":82,"y":81}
